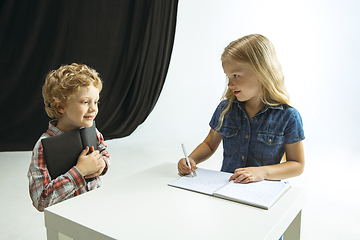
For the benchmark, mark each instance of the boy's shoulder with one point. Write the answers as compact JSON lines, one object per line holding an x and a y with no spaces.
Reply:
{"x":38,"y":143}
{"x":51,"y":131}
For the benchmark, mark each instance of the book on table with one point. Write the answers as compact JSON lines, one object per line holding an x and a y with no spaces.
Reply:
{"x":62,"y":151}
{"x":261,"y":194}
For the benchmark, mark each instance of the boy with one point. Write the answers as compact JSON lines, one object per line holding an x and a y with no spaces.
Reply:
{"x":71,"y":95}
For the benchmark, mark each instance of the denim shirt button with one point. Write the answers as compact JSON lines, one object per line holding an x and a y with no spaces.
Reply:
{"x":256,"y":141}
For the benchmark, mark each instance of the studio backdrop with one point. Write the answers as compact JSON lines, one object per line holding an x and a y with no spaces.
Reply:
{"x":129,"y":42}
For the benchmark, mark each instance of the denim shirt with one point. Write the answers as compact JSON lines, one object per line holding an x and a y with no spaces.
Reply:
{"x":260,"y":141}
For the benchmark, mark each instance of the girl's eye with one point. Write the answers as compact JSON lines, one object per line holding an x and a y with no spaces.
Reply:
{"x":236,"y":76}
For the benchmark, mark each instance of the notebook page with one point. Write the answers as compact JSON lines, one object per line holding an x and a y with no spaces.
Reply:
{"x":207,"y":181}
{"x":261,"y":194}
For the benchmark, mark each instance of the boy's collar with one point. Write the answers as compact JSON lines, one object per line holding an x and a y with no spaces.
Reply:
{"x":53,"y":130}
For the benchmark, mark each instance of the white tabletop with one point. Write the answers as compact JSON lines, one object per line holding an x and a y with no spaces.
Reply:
{"x":143,"y":206}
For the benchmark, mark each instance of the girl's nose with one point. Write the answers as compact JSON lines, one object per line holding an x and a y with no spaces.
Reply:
{"x":230,"y":83}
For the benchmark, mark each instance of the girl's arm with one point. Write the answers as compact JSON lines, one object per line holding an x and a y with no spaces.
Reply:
{"x":207,"y":148}
{"x":294,"y":166}
{"x":201,"y":153}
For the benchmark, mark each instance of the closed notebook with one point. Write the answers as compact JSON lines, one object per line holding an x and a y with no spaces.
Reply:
{"x":62,"y":151}
{"x":259,"y":194}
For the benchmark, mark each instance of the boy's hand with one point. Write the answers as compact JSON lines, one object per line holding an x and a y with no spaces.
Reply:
{"x":90,"y":165}
{"x":184,"y":169}
{"x":248,"y":175}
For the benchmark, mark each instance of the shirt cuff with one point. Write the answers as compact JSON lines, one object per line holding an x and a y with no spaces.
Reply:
{"x":76,"y":177}
{"x":105,"y":168}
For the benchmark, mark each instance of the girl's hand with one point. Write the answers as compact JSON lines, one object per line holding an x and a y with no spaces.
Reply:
{"x":184,"y":169}
{"x":248,"y":175}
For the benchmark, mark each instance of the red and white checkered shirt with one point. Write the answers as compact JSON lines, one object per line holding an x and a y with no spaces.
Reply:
{"x":45,"y":191}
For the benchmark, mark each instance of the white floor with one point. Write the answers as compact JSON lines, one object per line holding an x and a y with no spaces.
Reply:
{"x":331,"y":211}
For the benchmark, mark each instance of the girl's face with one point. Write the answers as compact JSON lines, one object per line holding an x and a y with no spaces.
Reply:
{"x":80,"y":111}
{"x":242,"y":81}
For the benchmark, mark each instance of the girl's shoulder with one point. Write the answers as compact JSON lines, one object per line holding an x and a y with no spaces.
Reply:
{"x":290,"y":109}
{"x":224,"y":103}
{"x":292,"y":113}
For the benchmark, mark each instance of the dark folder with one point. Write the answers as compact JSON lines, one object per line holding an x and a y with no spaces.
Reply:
{"x":62,"y":151}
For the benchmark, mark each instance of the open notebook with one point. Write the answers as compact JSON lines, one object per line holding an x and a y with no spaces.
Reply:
{"x":259,"y":194}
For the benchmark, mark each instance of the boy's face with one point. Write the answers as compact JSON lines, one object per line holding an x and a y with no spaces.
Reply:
{"x":80,"y":111}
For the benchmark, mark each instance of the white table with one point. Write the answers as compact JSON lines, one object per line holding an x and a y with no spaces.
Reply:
{"x":142,"y":206}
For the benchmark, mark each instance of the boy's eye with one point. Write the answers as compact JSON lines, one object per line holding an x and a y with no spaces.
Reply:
{"x":236,"y":76}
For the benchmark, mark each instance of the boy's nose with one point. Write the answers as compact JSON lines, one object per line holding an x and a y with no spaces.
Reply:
{"x":92,"y":108}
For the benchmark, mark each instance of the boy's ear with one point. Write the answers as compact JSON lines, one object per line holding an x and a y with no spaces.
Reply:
{"x":60,"y":108}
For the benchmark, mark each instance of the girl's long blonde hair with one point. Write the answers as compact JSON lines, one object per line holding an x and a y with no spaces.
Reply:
{"x":259,"y":53}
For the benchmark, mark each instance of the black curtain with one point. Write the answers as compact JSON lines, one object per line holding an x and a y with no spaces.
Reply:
{"x":129,"y":42}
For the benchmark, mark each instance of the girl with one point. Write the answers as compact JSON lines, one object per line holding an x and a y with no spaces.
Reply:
{"x":255,"y":120}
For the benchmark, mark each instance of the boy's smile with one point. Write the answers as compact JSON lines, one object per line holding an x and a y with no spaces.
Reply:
{"x":80,"y":111}
{"x":90,"y":117}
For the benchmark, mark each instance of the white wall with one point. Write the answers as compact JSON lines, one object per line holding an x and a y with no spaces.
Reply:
{"x":318,"y":45}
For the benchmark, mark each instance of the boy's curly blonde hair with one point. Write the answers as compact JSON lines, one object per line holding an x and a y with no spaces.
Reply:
{"x":62,"y":84}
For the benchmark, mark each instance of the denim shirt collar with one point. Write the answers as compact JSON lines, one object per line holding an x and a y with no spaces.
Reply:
{"x":258,"y":141}
{"x":266,"y":107}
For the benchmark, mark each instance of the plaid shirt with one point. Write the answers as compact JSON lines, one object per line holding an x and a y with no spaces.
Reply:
{"x":45,"y":191}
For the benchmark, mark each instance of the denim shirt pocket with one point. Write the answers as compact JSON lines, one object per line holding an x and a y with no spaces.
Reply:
{"x":269,"y":146}
{"x":231,"y":139}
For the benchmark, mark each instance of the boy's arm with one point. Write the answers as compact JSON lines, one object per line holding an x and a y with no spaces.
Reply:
{"x":103,"y":151}
{"x":44,"y":191}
